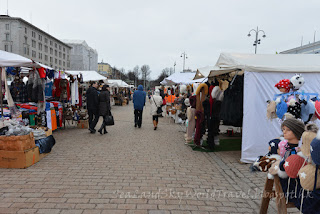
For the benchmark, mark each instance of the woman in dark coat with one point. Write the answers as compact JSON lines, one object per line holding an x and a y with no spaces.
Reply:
{"x":104,"y":106}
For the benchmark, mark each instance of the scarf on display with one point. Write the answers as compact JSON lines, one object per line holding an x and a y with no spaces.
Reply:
{"x":13,"y":109}
{"x":201,"y":94}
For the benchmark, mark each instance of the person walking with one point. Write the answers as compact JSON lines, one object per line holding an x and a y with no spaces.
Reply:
{"x":139,"y":101}
{"x":104,"y":107}
{"x":156,"y":102}
{"x":93,"y":106}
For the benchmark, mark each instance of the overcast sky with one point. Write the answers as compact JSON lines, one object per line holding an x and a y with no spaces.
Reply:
{"x":127,"y":33}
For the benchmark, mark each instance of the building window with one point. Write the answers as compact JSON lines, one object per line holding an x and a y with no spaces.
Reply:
{"x":34,"y":54}
{"x":46,"y":48}
{"x":33,"y":34}
{"x":50,"y":42}
{"x":7,"y":27}
{"x":51,"y":60}
{"x":6,"y":47}
{"x":55,"y":45}
{"x":40,"y":37}
{"x":7,"y":37}
{"x":45,"y":40}
{"x":64,"y":63}
{"x":55,"y":52}
{"x":40,"y":46}
{"x":55,"y":61}
{"x":25,"y":50}
{"x":25,"y":30}
{"x":60,"y":54}
{"x":25,"y":40}
{"x":60,"y":47}
{"x":51,"y":51}
{"x":46,"y":57}
{"x":64,"y":56}
{"x":64,"y":50}
{"x":33,"y":44}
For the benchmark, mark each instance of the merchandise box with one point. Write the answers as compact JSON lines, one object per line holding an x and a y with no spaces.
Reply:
{"x":83,"y":124}
{"x":17,"y":143}
{"x":19,"y":159}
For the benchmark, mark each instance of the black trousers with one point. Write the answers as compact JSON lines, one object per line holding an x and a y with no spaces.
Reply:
{"x":93,"y":118}
{"x":138,"y":117}
{"x":103,"y":125}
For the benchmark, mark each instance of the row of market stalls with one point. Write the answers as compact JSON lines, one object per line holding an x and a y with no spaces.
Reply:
{"x":36,"y":102}
{"x":252,"y":77}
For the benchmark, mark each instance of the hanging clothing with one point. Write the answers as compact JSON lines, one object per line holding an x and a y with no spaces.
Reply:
{"x":48,"y":89}
{"x":232,"y":105}
{"x":12,"y":107}
{"x":74,"y":93}
{"x":19,"y":91}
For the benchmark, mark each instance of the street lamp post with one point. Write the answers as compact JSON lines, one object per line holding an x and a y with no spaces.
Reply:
{"x":184,"y":55}
{"x":257,"y":40}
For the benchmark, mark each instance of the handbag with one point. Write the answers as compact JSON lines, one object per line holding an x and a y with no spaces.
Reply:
{"x":159,"y":109}
{"x":109,"y":120}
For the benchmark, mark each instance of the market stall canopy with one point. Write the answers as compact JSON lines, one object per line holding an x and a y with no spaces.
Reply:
{"x":178,"y":78}
{"x":204,"y":72}
{"x":88,"y":75}
{"x":14,"y":60}
{"x":300,"y":63}
{"x":117,"y":83}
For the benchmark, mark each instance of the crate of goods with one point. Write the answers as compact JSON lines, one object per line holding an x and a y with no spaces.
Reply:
{"x":19,"y":159}
{"x":83,"y":124}
{"x":17,"y":143}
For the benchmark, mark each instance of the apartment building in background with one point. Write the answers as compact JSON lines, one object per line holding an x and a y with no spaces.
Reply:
{"x":105,"y":69}
{"x":311,"y":48}
{"x":21,"y":37}
{"x":82,"y":57}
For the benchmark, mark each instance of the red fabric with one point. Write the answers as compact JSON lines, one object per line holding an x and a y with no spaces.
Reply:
{"x":56,"y":90}
{"x":42,"y":72}
{"x":283,"y":84}
{"x":26,"y":106}
{"x":211,"y":100}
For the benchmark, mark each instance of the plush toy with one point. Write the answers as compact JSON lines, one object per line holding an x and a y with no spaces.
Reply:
{"x":297,"y":81}
{"x":283,"y":85}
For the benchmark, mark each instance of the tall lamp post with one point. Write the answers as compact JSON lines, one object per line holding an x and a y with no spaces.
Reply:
{"x":184,"y":55}
{"x":257,"y":40}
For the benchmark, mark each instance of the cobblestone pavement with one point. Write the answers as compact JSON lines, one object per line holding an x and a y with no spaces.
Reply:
{"x":132,"y":171}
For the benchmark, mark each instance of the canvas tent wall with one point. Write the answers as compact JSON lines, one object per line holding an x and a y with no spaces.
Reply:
{"x":14,"y":60}
{"x":178,"y":78}
{"x":88,"y":75}
{"x":117,"y":83}
{"x":261,"y":73}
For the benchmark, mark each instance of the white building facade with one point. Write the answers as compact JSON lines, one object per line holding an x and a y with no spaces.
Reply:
{"x":82,"y":57}
{"x":312,"y":48}
{"x":20,"y":37}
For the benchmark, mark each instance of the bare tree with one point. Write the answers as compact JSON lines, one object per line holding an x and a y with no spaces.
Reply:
{"x":145,"y":72}
{"x":136,"y":75}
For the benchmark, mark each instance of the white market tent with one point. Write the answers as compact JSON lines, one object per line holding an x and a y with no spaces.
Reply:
{"x":181,"y":78}
{"x":14,"y":60}
{"x":88,"y":75}
{"x":261,"y":73}
{"x":204,"y":72}
{"x":117,"y":83}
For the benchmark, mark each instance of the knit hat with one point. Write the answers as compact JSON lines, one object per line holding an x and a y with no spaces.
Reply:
{"x":274,"y":146}
{"x":307,"y":176}
{"x":315,"y":149}
{"x":295,"y":110}
{"x":283,"y":84}
{"x":295,"y":125}
{"x":293,"y":164}
{"x":281,"y":109}
{"x":307,"y":137}
{"x":274,"y":168}
{"x":271,"y":110}
{"x":317,"y":109}
{"x":307,"y":108}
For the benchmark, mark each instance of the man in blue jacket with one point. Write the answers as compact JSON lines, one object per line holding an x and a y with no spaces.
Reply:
{"x":139,"y":100}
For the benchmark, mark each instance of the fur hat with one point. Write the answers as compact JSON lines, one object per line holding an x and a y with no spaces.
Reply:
{"x":293,"y":164}
{"x":295,"y":125}
{"x":307,"y":176}
{"x":281,"y":109}
{"x":307,"y":137}
{"x":315,"y":149}
{"x":271,"y":110}
{"x":285,"y":83}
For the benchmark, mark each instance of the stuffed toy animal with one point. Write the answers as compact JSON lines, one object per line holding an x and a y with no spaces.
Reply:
{"x":297,"y":81}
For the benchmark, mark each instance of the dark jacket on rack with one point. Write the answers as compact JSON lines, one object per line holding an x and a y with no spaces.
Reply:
{"x":104,"y":103}
{"x":92,"y":99}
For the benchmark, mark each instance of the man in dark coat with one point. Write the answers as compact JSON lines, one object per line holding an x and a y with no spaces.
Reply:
{"x":93,"y":106}
{"x":104,"y":107}
{"x":139,"y":100}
